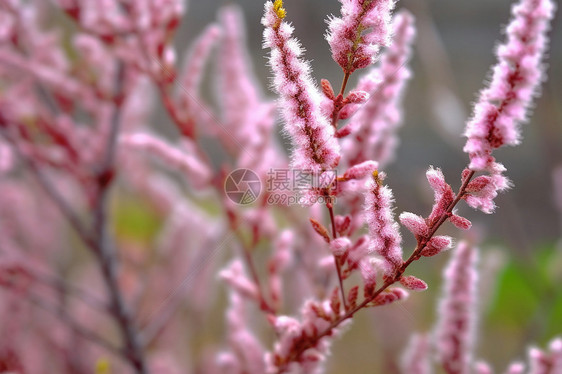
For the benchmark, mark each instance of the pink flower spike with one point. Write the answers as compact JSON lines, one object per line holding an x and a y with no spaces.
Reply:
{"x":412,"y":283}
{"x":252,"y":356}
{"x":378,"y":119}
{"x":436,"y":245}
{"x":482,"y":191}
{"x":416,"y":357}
{"x":361,"y":170}
{"x":195,"y":170}
{"x":436,"y":180}
{"x":515,"y":81}
{"x":356,"y":37}
{"x":415,"y":224}
{"x":315,"y":147}
{"x":235,"y":276}
{"x":384,"y":233}
{"x":238,"y":90}
{"x":195,"y":61}
{"x":457,"y":311}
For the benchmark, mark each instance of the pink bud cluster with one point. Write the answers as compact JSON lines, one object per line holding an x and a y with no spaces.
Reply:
{"x":315,"y":147}
{"x":294,"y":334}
{"x":504,"y":104}
{"x":375,"y":122}
{"x":383,"y":230}
{"x":416,"y":358}
{"x":454,"y":335}
{"x":356,"y":37}
{"x":546,"y":362}
{"x":456,"y":326}
{"x":424,"y":228}
{"x":247,"y":352}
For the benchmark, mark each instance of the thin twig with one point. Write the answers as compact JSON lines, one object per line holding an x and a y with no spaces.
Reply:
{"x":104,"y":248}
{"x":336,"y":259}
{"x":65,"y":288}
{"x":248,"y":259}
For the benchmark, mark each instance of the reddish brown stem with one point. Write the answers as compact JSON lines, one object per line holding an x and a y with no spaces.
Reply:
{"x":247,"y":254}
{"x":339,"y":99}
{"x":390,"y":281}
{"x":336,"y":259}
{"x":344,"y":83}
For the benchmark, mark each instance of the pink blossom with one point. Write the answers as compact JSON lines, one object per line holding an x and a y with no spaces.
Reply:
{"x":280,"y":261}
{"x":482,"y":367}
{"x":342,"y":224}
{"x":315,"y":147}
{"x":235,"y":276}
{"x":292,"y":334}
{"x":504,"y":104}
{"x":247,"y":118}
{"x":549,"y":362}
{"x":389,"y":296}
{"x":239,"y":91}
{"x":246,"y":347}
{"x":361,"y":170}
{"x":375,"y":122}
{"x":415,"y":224}
{"x":412,"y":283}
{"x":481,"y":192}
{"x":436,"y":245}
{"x":369,"y":276}
{"x":460,"y":222}
{"x":443,"y":194}
{"x":359,"y":251}
{"x":457,"y":310}
{"x":191,"y":166}
{"x":6,"y":158}
{"x":416,"y":357}
{"x":195,"y":61}
{"x":191,"y":107}
{"x":340,"y":246}
{"x":515,"y":368}
{"x":384,"y":233}
{"x":356,"y":37}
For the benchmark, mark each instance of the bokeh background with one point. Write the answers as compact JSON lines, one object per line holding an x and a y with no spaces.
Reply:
{"x":521,"y":260}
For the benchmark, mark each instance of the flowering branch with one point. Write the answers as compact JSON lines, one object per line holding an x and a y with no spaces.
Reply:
{"x":316,"y":148}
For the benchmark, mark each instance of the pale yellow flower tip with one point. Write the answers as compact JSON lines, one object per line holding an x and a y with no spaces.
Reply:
{"x":279,"y":10}
{"x":103,"y":366}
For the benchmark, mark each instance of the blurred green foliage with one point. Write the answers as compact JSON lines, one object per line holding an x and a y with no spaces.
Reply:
{"x":529,"y":296}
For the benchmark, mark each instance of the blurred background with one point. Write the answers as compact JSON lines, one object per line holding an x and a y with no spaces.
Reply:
{"x":521,"y":261}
